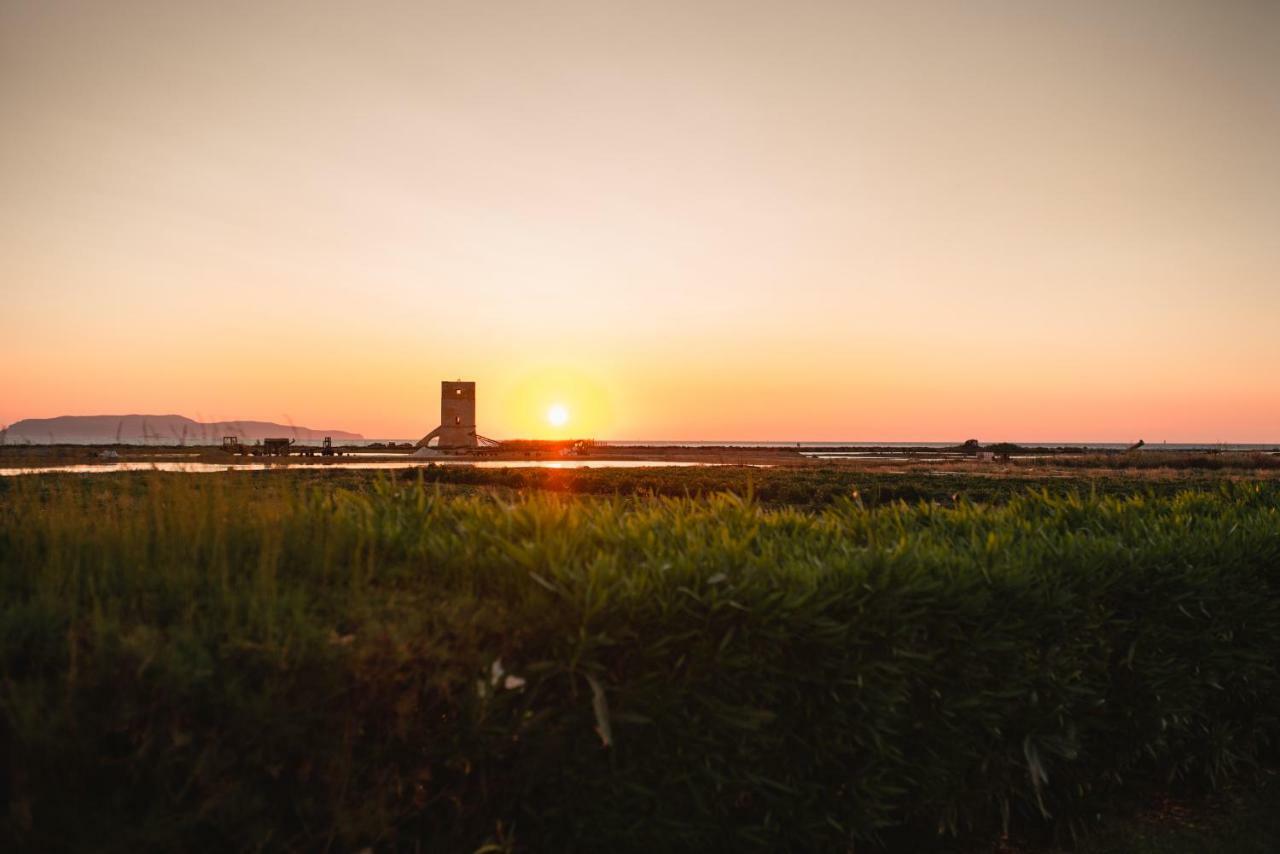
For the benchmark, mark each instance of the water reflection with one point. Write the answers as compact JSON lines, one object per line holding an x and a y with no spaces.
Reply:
{"x":199,"y":468}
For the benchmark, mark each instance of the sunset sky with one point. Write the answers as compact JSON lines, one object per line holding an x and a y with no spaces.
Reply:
{"x":677,"y":220}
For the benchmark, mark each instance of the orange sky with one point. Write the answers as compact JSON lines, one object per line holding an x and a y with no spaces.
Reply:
{"x":720,"y":220}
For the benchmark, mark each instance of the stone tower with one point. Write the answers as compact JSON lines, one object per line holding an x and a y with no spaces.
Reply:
{"x":457,"y":417}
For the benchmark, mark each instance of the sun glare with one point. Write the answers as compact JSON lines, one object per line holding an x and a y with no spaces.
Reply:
{"x":557,"y":415}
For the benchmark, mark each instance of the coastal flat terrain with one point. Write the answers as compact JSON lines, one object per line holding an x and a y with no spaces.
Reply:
{"x":1010,"y":461}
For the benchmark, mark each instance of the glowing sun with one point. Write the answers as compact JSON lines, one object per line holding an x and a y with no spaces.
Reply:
{"x":557,"y":415}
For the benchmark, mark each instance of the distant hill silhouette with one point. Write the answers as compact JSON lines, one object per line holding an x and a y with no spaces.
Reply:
{"x":153,"y":430}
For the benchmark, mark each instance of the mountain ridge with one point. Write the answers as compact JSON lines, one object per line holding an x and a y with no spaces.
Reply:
{"x":154,"y":429}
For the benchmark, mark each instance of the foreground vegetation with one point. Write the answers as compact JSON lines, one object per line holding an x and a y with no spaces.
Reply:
{"x":277,"y":662}
{"x":1247,"y":461}
{"x":1240,"y":820}
{"x":810,"y":487}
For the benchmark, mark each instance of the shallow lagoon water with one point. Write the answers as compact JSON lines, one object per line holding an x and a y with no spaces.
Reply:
{"x":204,"y":468}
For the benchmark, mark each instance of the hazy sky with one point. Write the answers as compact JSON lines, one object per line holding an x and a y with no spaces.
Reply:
{"x":737,"y":220}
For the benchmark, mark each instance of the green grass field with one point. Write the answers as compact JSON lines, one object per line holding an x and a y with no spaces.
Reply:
{"x":283,"y":661}
{"x":810,"y":488}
